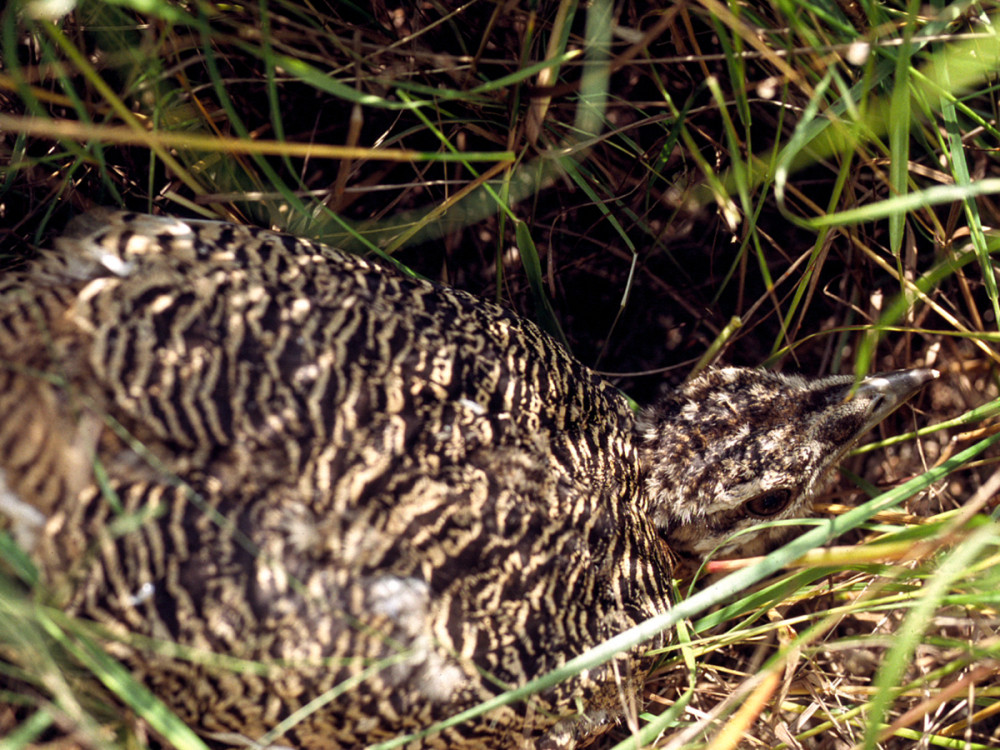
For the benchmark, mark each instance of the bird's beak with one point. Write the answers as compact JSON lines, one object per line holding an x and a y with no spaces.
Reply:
{"x":889,"y":390}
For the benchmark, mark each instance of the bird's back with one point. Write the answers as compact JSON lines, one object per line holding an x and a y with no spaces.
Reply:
{"x":324,"y":468}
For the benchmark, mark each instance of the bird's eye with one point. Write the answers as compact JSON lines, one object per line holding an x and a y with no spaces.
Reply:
{"x":768,"y":504}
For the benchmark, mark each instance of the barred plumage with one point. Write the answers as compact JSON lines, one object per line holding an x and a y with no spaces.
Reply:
{"x":336,"y":472}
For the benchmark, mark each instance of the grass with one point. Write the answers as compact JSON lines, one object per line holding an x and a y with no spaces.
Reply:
{"x":803,"y":185}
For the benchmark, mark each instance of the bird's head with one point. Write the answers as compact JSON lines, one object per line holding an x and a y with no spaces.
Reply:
{"x":736,"y":447}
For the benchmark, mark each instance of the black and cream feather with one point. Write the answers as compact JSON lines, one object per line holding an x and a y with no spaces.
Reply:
{"x":365,"y":486}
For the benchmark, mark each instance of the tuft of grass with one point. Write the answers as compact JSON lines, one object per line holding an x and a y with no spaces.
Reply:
{"x":664,"y":186}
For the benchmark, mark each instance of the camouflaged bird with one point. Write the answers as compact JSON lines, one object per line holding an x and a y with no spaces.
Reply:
{"x":389,"y":497}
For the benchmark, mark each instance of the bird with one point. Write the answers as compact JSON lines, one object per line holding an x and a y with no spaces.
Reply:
{"x":388,"y":499}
